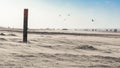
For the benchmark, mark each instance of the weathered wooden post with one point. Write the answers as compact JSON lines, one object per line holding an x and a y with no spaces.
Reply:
{"x":25,"y":25}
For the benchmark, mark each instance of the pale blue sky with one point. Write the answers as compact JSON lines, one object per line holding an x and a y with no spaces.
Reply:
{"x":61,"y":13}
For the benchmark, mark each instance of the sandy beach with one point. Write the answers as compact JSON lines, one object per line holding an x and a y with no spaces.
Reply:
{"x":59,"y":49}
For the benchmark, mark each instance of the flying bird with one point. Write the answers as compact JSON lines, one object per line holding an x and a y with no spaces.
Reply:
{"x":60,"y":15}
{"x":92,"y":20}
{"x":68,"y":14}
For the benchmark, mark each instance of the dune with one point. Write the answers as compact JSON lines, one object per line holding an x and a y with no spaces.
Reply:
{"x":59,"y":49}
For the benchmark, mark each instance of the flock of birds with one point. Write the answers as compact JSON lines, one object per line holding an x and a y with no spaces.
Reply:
{"x":70,"y":15}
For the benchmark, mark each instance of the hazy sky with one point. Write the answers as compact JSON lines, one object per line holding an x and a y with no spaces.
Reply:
{"x":61,"y":13}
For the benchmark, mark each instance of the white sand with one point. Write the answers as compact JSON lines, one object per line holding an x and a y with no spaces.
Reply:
{"x":60,"y":51}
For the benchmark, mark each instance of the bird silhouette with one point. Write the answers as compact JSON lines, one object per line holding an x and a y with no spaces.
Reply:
{"x":92,"y":20}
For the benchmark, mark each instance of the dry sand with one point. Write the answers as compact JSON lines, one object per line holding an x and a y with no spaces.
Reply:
{"x":92,"y":50}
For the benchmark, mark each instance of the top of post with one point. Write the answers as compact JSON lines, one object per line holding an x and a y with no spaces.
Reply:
{"x":25,"y":11}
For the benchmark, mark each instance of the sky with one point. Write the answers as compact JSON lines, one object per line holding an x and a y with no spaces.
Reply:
{"x":71,"y":14}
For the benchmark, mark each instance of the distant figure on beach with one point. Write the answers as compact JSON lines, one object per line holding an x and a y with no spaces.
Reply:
{"x":115,"y":30}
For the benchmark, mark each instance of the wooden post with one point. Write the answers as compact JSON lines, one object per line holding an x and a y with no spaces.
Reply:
{"x":25,"y":25}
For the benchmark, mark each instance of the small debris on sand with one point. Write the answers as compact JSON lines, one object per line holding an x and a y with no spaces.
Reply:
{"x":11,"y":35}
{"x":86,"y":47}
{"x":3,"y":39}
{"x":2,"y":34}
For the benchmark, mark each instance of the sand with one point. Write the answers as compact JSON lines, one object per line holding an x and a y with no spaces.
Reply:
{"x":49,"y":50}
